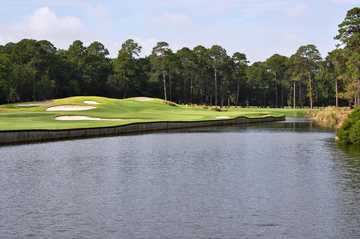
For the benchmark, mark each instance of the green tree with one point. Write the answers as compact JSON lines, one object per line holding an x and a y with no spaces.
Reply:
{"x":203,"y":74}
{"x":349,"y":29}
{"x":188,"y":67}
{"x":240,"y":66}
{"x":218,"y":58}
{"x":95,"y":69}
{"x":5,"y":71}
{"x":349,"y":37}
{"x":159,"y":61}
{"x":306,"y":63}
{"x":125,"y":68}
{"x":277,"y":65}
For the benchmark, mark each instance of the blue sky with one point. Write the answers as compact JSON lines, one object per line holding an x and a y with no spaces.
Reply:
{"x":258,"y":28}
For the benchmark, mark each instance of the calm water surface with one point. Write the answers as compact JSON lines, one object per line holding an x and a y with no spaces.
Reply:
{"x":280,"y":180}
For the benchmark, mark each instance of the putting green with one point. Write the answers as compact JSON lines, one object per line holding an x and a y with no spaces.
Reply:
{"x":36,"y":115}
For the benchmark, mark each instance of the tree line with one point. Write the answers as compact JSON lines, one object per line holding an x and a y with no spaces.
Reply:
{"x":33,"y":70}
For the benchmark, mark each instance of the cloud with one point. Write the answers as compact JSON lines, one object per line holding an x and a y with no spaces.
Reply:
{"x":45,"y":24}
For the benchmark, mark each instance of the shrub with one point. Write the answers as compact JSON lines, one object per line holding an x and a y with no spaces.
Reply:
{"x":349,"y":133}
{"x":354,"y":134}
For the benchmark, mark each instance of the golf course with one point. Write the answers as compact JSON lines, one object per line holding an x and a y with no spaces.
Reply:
{"x":93,"y":112}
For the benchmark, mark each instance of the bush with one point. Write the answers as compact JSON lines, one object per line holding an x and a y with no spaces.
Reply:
{"x":354,"y":134}
{"x":349,"y":133}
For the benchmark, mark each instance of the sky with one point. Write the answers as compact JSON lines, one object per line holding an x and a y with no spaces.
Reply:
{"x":258,"y":28}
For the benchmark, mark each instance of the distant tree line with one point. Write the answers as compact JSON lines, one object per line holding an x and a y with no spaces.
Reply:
{"x":33,"y":70}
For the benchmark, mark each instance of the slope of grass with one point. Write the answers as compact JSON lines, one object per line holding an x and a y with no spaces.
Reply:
{"x":331,"y":117}
{"x":18,"y":117}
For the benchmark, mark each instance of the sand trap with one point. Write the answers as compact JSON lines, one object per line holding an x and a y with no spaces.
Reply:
{"x":70,"y":108}
{"x":223,"y":117}
{"x":90,"y":102}
{"x":29,"y":105}
{"x":79,"y":118}
{"x":143,"y":99}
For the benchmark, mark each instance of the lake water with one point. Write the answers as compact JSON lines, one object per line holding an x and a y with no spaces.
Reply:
{"x":276,"y":180}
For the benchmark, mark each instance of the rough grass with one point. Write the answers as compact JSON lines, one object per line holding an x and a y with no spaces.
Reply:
{"x":15,"y":117}
{"x":330,"y":117}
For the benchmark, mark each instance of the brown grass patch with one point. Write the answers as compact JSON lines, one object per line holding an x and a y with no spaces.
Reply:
{"x":330,"y":117}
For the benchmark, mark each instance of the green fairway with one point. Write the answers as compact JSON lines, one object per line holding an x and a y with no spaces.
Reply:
{"x":115,"y":112}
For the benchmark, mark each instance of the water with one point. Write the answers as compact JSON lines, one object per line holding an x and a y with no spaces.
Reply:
{"x":278,"y":180}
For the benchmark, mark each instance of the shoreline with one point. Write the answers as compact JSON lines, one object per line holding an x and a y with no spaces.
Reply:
{"x":33,"y":136}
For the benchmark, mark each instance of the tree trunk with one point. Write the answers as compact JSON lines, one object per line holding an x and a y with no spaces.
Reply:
{"x":125,"y":91}
{"x":281,"y":95}
{"x":276,"y":96}
{"x":191,"y":90}
{"x":311,"y":92}
{"x":336,"y":93}
{"x":237,"y":92}
{"x":164,"y":85}
{"x":170,"y":88}
{"x":294,"y":95}
{"x":358,"y":92}
{"x":216,"y":90}
{"x":276,"y":92}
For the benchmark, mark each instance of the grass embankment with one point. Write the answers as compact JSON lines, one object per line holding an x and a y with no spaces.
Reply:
{"x":330,"y":117}
{"x":115,"y":112}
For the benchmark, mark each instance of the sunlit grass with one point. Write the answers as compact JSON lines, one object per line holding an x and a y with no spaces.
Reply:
{"x":15,"y":117}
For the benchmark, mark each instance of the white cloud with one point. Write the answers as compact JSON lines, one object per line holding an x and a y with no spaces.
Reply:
{"x":45,"y":24}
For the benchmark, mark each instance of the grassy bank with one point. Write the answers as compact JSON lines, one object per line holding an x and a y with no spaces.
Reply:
{"x":115,"y":112}
{"x":330,"y":117}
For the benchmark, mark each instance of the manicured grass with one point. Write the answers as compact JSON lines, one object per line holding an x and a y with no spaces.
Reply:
{"x":15,"y":117}
{"x":289,"y":112}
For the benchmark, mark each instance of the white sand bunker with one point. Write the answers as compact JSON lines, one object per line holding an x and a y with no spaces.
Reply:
{"x":80,"y":118}
{"x":29,"y":105}
{"x":143,"y":99}
{"x":70,"y":108}
{"x":222,"y":117}
{"x":90,"y":102}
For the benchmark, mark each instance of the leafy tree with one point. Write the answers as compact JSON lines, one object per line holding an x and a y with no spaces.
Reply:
{"x":259,"y":81}
{"x":277,"y":65}
{"x":306,"y":63}
{"x":188,"y":67}
{"x":349,"y":29}
{"x":349,"y":37}
{"x":203,"y":65}
{"x":96,"y":69}
{"x":5,"y":71}
{"x":159,"y":62}
{"x":240,"y":66}
{"x":218,"y":58}
{"x":125,"y":68}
